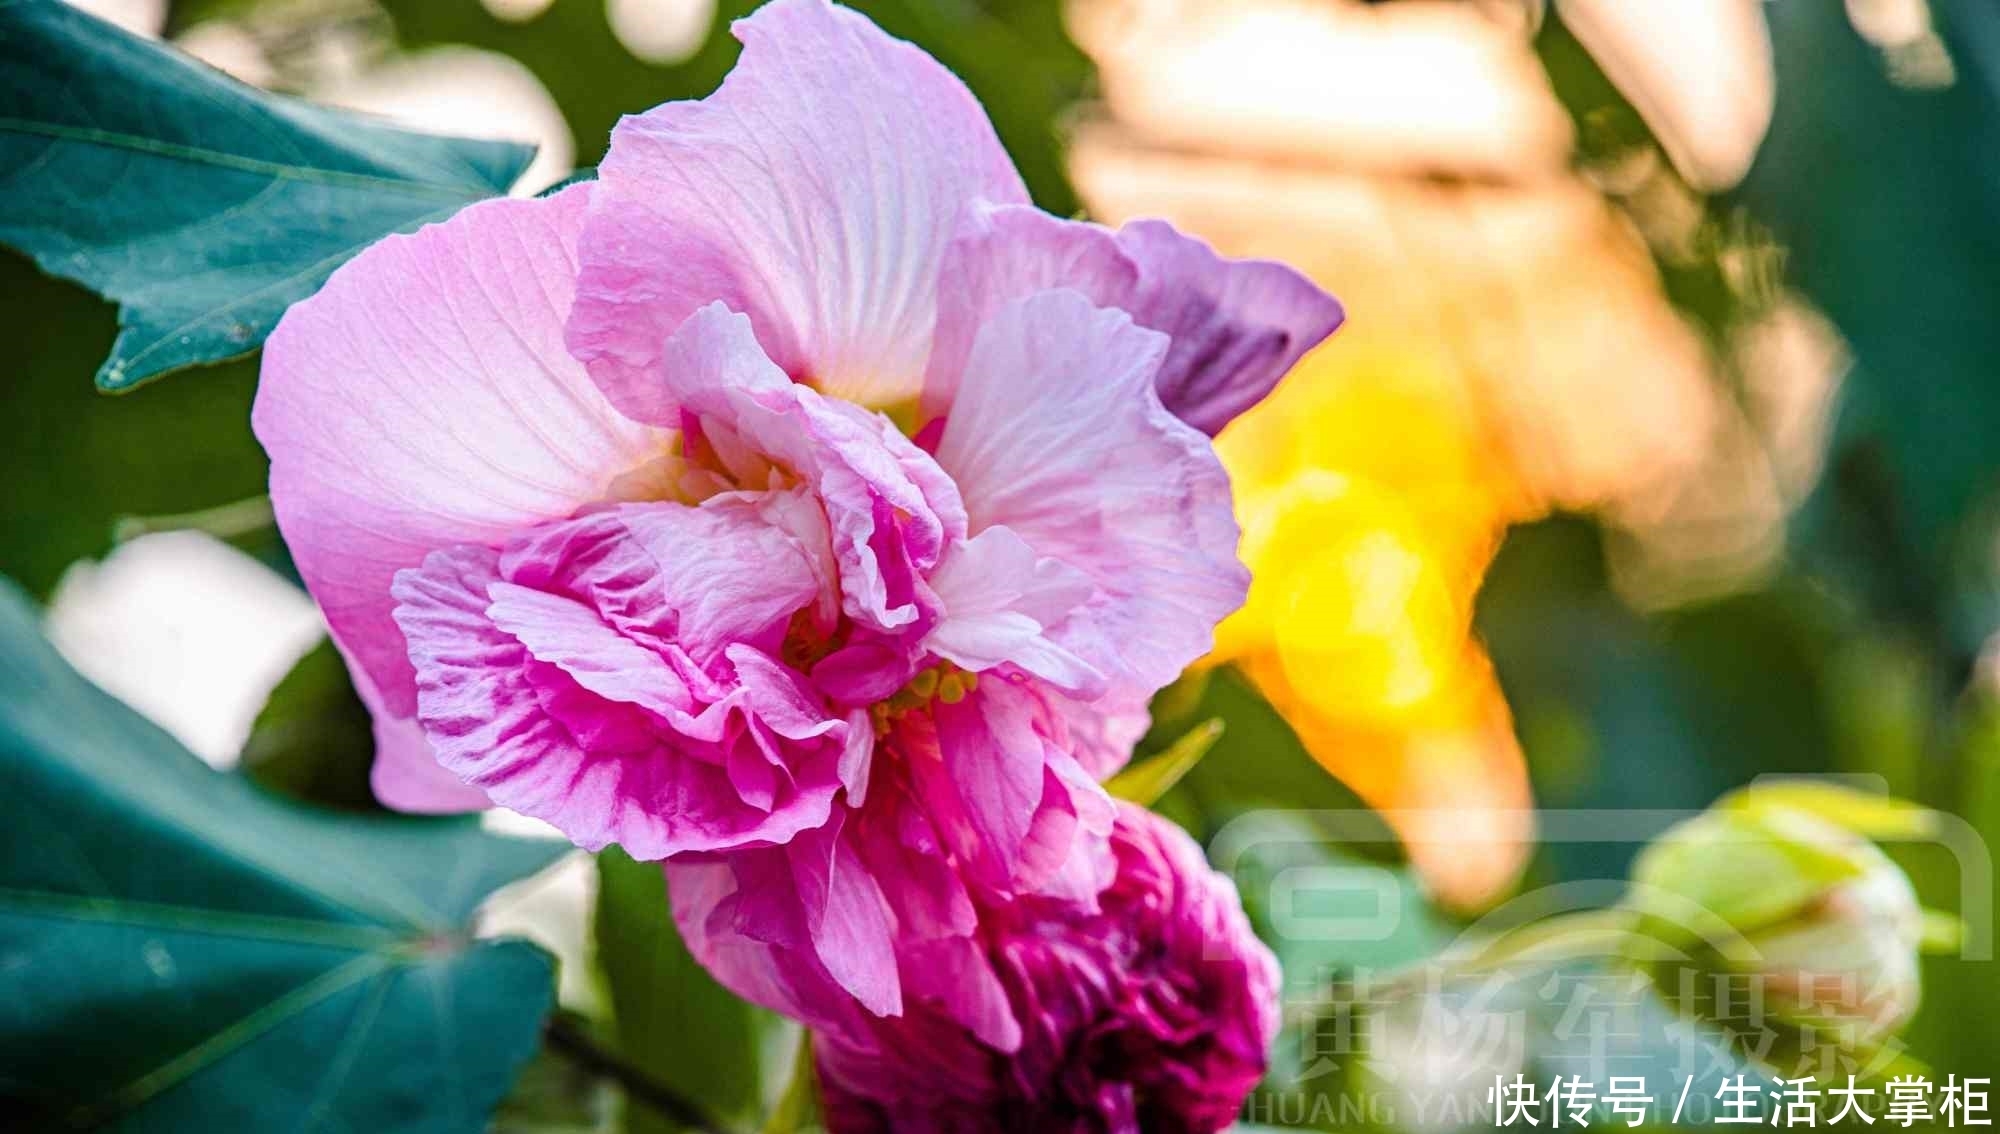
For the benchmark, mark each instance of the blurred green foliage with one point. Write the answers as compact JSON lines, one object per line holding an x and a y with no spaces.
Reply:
{"x":1012,"y":53}
{"x":314,"y":740}
{"x":1885,"y":189}
{"x":673,"y":1021}
{"x":1616,"y":710}
{"x":75,"y":462}
{"x":1880,"y":196}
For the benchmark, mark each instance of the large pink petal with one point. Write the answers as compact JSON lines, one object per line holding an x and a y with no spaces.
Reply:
{"x":1015,"y":812}
{"x":768,"y":963}
{"x":847,"y":918}
{"x":1236,"y":326}
{"x":1102,"y":732}
{"x":732,"y":570}
{"x":1067,"y":853}
{"x":801,"y":929}
{"x":814,"y":191}
{"x":1004,"y":253}
{"x":1056,"y":433}
{"x":955,"y":975}
{"x":902,"y":849}
{"x":560,"y":631}
{"x":422,"y":399}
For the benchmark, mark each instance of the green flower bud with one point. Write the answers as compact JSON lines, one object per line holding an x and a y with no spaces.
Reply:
{"x":1849,"y":963}
{"x":1776,"y":887}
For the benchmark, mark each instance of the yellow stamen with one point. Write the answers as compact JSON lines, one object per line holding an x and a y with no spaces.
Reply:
{"x":942,"y":682}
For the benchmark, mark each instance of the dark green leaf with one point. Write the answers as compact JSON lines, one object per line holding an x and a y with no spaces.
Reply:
{"x":314,"y":740}
{"x":203,"y":207}
{"x":181,"y":951}
{"x":76,"y":463}
{"x":674,"y":1022}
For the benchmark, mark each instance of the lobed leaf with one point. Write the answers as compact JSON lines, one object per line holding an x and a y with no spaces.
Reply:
{"x":181,"y":951}
{"x":202,"y":206}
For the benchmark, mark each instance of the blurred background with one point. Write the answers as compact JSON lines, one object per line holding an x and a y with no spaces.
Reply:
{"x":1657,"y":454}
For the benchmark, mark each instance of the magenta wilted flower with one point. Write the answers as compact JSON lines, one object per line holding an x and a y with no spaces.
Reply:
{"x":1153,"y":1012}
{"x":793,"y":502}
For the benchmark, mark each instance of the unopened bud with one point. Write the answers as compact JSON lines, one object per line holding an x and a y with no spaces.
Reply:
{"x":1822,"y":923}
{"x":1848,"y":964}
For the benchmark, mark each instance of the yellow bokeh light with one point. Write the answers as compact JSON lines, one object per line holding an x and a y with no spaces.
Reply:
{"x":1371,"y":499}
{"x":1510,"y":350}
{"x":1350,"y":596}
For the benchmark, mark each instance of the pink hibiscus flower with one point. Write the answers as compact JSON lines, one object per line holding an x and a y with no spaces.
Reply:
{"x":606,"y":503}
{"x":1152,"y":1012}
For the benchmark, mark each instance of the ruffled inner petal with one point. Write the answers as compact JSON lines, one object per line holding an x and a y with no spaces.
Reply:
{"x":890,"y":511}
{"x":999,"y":600}
{"x":1056,"y":434}
{"x":625,"y":704}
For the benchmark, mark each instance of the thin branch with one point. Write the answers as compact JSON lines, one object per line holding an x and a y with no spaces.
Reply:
{"x":565,"y":1035}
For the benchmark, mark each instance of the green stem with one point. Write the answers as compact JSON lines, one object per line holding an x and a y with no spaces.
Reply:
{"x":1583,"y":932}
{"x":224,"y":521}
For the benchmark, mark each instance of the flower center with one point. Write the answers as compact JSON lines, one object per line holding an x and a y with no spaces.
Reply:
{"x":942,"y":682}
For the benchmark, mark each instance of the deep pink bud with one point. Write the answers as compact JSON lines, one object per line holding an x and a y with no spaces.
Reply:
{"x":1154,"y":1012}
